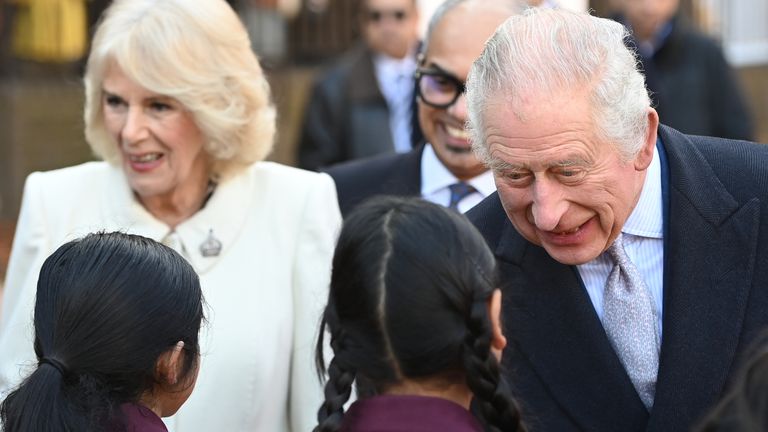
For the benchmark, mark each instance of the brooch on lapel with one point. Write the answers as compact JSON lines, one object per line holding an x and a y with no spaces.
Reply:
{"x":211,"y":247}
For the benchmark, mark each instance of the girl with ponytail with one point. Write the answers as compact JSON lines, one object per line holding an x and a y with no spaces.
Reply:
{"x":116,"y":323}
{"x":413,"y":318}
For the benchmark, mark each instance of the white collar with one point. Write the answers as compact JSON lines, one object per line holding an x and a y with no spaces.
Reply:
{"x":435,"y":176}
{"x":646,"y":219}
{"x":225,"y":213}
{"x":389,"y":67}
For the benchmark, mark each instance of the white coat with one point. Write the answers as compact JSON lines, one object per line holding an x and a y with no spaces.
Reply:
{"x":265,"y":290}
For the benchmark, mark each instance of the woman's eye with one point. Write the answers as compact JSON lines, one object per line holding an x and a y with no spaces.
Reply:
{"x":113,"y":101}
{"x":160,"y":106}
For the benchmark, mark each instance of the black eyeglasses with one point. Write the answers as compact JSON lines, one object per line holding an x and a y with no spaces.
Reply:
{"x":378,"y":15}
{"x":438,"y":88}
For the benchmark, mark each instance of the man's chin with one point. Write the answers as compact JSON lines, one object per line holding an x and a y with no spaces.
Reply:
{"x":570,"y":255}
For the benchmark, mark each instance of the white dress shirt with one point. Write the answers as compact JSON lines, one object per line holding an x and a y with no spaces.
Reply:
{"x":395,"y":78}
{"x":435,"y":180}
{"x":644,"y":243}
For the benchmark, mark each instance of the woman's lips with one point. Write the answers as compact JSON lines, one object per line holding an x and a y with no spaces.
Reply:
{"x":145,"y":162}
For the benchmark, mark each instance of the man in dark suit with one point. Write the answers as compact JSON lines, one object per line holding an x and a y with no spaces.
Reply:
{"x":364,"y":105}
{"x":693,"y":87}
{"x":443,"y":170}
{"x":633,"y":258}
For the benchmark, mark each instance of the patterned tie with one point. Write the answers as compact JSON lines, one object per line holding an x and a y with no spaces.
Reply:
{"x":630,"y":323}
{"x":459,"y":191}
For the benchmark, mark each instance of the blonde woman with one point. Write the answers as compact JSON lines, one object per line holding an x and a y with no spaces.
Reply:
{"x":179,"y":109}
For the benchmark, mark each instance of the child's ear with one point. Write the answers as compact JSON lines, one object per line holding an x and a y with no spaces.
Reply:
{"x":168,"y":366}
{"x":498,"y":341}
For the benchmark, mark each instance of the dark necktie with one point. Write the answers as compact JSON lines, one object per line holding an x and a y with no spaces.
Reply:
{"x":630,"y":322}
{"x":459,"y":191}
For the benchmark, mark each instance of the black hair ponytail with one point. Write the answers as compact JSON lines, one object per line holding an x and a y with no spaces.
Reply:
{"x":107,"y":306}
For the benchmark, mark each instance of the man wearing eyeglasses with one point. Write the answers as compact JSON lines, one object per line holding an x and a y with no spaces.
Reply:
{"x":443,"y":170}
{"x":365,"y":104}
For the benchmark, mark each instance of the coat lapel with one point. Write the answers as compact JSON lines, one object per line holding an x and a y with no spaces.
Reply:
{"x":710,"y":253}
{"x":552,"y":326}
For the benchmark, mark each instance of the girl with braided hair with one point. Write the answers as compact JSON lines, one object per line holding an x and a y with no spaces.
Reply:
{"x":413,"y":317}
{"x":116,"y":323}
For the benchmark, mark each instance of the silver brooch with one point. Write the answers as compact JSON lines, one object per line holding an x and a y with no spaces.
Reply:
{"x":211,"y":247}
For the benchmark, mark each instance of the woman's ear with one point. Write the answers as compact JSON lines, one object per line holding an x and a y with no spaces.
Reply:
{"x":498,"y":341}
{"x":169,"y":365}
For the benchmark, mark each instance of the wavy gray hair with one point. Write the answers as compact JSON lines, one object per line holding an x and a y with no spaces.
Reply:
{"x":544,"y":52}
{"x":196,"y":52}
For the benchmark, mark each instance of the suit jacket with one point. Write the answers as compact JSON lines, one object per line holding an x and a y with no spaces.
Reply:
{"x":264,"y":292}
{"x":559,"y":360}
{"x":347,"y":116}
{"x":393,"y":174}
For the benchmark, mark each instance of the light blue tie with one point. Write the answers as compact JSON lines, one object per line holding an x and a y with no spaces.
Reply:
{"x":630,"y":322}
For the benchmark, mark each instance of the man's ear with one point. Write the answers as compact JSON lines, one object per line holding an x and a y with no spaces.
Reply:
{"x":498,"y":340}
{"x":645,"y":155}
{"x":168,"y":366}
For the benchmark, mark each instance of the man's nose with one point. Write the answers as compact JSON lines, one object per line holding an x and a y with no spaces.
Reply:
{"x":548,"y":205}
{"x":459,"y":108}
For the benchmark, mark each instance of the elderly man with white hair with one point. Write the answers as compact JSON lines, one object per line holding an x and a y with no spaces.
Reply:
{"x":632,"y":257}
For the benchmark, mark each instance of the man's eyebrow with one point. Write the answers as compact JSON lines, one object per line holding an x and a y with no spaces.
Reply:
{"x":568,"y":162}
{"x":437,"y":68}
{"x":500,"y":165}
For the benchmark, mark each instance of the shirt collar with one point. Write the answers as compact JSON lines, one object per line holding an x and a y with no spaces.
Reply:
{"x":648,"y":48}
{"x":389,"y":67}
{"x":435,"y":176}
{"x":646,"y":219}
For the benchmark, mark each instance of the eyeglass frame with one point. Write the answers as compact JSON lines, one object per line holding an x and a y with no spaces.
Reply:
{"x":461,"y":86}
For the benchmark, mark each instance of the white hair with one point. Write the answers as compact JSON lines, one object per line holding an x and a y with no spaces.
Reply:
{"x":196,"y":52}
{"x":544,"y":52}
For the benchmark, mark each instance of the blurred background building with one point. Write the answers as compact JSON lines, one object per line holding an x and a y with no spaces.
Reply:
{"x":42,"y":44}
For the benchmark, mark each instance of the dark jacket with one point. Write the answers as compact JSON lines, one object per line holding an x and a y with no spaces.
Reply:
{"x":392,"y":174}
{"x":693,"y":86}
{"x":347,"y":116}
{"x":558,"y":358}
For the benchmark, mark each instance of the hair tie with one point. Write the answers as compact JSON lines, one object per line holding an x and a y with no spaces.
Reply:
{"x":59,"y":366}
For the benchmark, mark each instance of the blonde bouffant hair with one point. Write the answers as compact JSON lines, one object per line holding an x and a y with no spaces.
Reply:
{"x":196,"y":52}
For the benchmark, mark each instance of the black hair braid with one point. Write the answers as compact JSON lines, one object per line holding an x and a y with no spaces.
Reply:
{"x":338,"y":388}
{"x":498,"y":411}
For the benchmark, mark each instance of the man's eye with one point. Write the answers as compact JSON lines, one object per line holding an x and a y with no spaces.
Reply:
{"x":571,"y":174}
{"x":517,"y":177}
